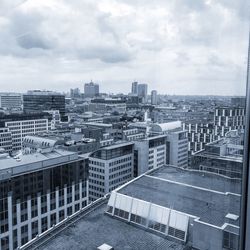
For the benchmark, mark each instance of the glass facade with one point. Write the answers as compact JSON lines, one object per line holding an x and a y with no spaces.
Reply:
{"x":40,"y":199}
{"x":38,"y":103}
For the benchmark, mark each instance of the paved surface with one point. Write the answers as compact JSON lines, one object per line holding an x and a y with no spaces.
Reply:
{"x":98,"y":228}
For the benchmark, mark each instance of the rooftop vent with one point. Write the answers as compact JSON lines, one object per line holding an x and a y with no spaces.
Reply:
{"x":105,"y":247}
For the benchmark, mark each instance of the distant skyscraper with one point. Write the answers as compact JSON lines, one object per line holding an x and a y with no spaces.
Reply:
{"x":134,"y":88}
{"x":153,"y":97}
{"x":75,"y":93}
{"x":91,"y":89}
{"x":37,"y":101}
{"x":143,"y":91}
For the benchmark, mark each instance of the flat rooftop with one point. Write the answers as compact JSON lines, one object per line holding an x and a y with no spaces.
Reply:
{"x":203,"y":195}
{"x":30,"y":162}
{"x":98,"y":228}
{"x":197,"y":178}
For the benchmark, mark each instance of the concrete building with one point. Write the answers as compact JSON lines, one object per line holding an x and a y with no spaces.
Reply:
{"x":109,"y":168}
{"x":56,"y":117}
{"x":6,"y":139}
{"x":154,"y":98}
{"x":149,"y":153}
{"x":108,"y":105}
{"x":223,"y":157}
{"x":134,"y":89}
{"x":132,"y":134}
{"x":176,"y":142}
{"x":10,"y":101}
{"x":91,"y":89}
{"x":186,"y":206}
{"x":37,"y":101}
{"x":25,"y":124}
{"x":228,"y":118}
{"x":38,"y":191}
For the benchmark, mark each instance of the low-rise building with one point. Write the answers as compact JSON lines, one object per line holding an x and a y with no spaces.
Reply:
{"x":186,"y":206}
{"x":222,"y":157}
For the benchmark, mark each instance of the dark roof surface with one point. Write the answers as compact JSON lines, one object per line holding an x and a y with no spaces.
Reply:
{"x":97,"y":228}
{"x":188,"y":192}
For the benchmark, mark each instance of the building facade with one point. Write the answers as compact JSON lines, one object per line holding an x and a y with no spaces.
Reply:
{"x":22,"y":125}
{"x":154,"y":97}
{"x":10,"y":101}
{"x":134,"y":89}
{"x":149,"y":153}
{"x":91,"y":89}
{"x":228,"y":118}
{"x":6,"y":139}
{"x":109,"y":168}
{"x":38,"y":101}
{"x":37,"y":191}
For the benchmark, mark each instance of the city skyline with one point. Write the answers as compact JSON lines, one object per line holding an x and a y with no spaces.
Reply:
{"x":163,"y":44}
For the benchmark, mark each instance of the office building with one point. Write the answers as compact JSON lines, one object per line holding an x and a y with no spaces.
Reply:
{"x":108,"y":105}
{"x":149,"y":153}
{"x":134,"y":89}
{"x":131,"y":134}
{"x":176,"y":142}
{"x":38,"y":191}
{"x":11,"y":101}
{"x":143,"y":92}
{"x":37,"y":101}
{"x":223,"y":157}
{"x":109,"y":168}
{"x":25,"y":124}
{"x":6,"y":139}
{"x":154,"y":99}
{"x":91,"y":89}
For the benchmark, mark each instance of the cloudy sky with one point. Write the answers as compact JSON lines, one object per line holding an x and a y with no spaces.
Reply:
{"x":176,"y":46}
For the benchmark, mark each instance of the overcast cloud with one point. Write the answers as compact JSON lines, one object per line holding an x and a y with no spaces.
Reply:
{"x":176,"y":46}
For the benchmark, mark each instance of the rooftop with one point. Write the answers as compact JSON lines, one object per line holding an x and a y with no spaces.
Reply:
{"x":105,"y":229}
{"x":117,"y":145}
{"x":189,"y":192}
{"x":24,"y":163}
